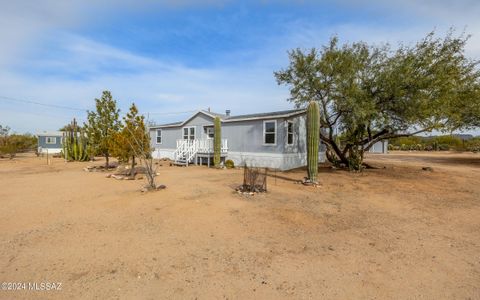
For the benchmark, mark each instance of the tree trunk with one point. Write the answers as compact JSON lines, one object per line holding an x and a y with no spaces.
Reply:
{"x":345,"y":158}
{"x":132,"y":169}
{"x":106,"y":160}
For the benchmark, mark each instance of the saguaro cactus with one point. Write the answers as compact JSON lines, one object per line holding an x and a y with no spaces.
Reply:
{"x":313,"y":134}
{"x":217,"y":142}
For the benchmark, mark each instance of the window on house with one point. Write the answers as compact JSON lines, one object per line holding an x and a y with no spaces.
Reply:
{"x":210,"y":132}
{"x":289,"y":132}
{"x":270,"y":132}
{"x":51,"y":140}
{"x":159,"y":136}
{"x":189,"y":133}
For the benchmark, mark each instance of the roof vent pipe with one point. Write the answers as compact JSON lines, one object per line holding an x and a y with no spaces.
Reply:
{"x":227,"y":112}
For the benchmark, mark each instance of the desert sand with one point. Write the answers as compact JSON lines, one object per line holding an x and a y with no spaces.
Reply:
{"x":397,"y":232}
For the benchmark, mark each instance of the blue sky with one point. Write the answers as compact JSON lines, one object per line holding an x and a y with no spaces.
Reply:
{"x":171,"y":57}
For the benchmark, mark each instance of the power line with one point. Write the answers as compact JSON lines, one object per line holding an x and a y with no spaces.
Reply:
{"x":42,"y":104}
{"x":84,"y":110}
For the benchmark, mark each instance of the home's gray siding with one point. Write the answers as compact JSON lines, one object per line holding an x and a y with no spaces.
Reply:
{"x":245,"y":141}
{"x":247,"y":136}
{"x":170,"y":135}
{"x":42,"y":142}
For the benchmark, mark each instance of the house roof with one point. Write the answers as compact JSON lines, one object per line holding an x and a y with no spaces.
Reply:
{"x":50,"y":133}
{"x":239,"y":118}
{"x":276,"y":114}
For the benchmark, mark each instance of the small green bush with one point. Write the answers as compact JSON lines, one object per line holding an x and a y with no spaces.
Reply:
{"x":229,"y":164}
{"x":443,"y":147}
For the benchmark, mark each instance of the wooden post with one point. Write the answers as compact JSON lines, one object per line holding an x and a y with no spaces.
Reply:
{"x":265,"y":179}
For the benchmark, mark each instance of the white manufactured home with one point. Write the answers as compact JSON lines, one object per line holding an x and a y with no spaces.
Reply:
{"x":274,"y":140}
{"x":50,"y":142}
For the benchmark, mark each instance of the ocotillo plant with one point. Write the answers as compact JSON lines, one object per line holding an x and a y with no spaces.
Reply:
{"x":74,"y":143}
{"x":313,"y":133}
{"x":217,"y":142}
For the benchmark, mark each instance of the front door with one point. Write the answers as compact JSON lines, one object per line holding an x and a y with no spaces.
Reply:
{"x":189,"y":133}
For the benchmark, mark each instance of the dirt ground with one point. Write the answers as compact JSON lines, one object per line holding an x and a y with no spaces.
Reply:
{"x":391,"y":233}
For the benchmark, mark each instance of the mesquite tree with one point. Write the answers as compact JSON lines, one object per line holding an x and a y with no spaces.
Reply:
{"x":217,"y":142}
{"x":368,"y":93}
{"x":313,"y":132}
{"x":102,"y":126}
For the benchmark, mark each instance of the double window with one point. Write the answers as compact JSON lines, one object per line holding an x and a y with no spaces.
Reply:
{"x":270,"y":132}
{"x":51,"y":140}
{"x":188,"y":133}
{"x":159,"y":136}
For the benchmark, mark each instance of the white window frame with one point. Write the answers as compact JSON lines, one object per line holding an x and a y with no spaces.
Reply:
{"x":49,"y":139}
{"x":158,"y":136}
{"x":188,"y":136}
{"x":264,"y":133}
{"x":292,"y":133}
{"x":212,"y":129}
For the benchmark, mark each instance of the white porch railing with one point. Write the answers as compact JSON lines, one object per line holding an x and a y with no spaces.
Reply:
{"x":203,"y":146}
{"x":187,"y":149}
{"x":206,"y":146}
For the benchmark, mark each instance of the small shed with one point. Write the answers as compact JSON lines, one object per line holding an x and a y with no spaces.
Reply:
{"x":379,"y":147}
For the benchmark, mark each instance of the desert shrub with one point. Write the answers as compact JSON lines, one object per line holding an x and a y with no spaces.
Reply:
{"x":17,"y":143}
{"x":443,"y":147}
{"x":452,"y":141}
{"x":419,"y":147}
{"x":229,"y":164}
{"x":474,"y":148}
{"x":417,"y":143}
{"x":407,"y":141}
{"x":473,"y":144}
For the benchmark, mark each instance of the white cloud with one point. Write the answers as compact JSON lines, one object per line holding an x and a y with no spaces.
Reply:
{"x":155,"y":86}
{"x":88,"y":66}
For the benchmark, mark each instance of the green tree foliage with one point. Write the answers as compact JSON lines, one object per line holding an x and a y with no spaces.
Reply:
{"x":11,"y":144}
{"x":102,"y":126}
{"x":369,"y":93}
{"x":132,"y":140}
{"x":217,"y":142}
